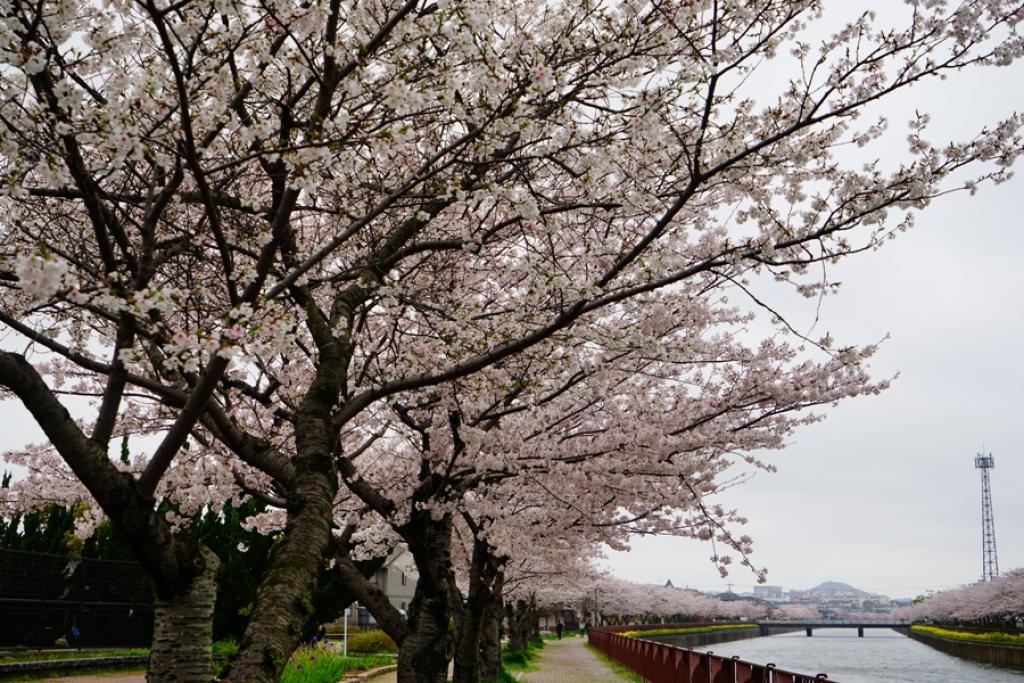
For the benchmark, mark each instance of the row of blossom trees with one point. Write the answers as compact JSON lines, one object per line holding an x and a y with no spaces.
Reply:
{"x":995,"y":601}
{"x":451,"y":274}
{"x":625,"y":602}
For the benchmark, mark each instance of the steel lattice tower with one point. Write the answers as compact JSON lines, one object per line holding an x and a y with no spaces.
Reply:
{"x":989,"y":559}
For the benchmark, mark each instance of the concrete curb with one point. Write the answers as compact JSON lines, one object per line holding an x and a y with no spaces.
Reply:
{"x":61,"y":665}
{"x":372,"y":673}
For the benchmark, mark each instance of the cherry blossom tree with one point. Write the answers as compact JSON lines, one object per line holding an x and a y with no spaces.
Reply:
{"x":998,"y":600}
{"x":249,"y":231}
{"x":602,"y":448}
{"x":627,"y":602}
{"x":794,"y":612}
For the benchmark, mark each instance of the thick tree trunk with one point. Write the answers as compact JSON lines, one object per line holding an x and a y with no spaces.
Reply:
{"x":284,"y":597}
{"x":183,"y":630}
{"x":426,"y":650}
{"x":519,"y":629}
{"x":467,"y":655}
{"x":484,"y":578}
{"x":490,"y":636}
{"x":491,"y":642}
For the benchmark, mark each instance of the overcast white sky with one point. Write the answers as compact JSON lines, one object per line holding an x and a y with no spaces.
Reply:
{"x":884,"y":495}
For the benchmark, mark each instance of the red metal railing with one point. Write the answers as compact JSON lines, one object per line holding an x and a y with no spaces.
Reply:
{"x":662,"y":663}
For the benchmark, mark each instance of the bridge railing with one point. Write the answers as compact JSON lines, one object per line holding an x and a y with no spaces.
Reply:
{"x":663,"y":663}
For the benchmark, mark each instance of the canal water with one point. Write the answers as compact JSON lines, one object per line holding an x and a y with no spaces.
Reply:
{"x":881,"y":656}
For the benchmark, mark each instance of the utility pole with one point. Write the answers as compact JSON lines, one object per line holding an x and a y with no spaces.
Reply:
{"x":989,"y":559}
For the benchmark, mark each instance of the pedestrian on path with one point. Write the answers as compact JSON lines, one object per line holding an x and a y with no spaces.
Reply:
{"x":558,"y":630}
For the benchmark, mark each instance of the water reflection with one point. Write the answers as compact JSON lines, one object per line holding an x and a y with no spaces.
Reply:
{"x":880,"y":656}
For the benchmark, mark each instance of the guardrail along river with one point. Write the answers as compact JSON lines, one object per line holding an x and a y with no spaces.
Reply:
{"x":881,"y":656}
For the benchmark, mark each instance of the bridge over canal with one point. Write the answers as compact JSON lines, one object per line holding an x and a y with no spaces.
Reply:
{"x":809,"y":626}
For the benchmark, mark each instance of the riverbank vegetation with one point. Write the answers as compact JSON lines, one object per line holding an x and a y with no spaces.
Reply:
{"x":988,"y":637}
{"x":687,"y":630}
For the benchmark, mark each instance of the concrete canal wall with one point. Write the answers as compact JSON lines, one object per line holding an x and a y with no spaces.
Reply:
{"x":1010,"y":656}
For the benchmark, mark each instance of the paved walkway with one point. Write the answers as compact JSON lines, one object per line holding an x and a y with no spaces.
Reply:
{"x":568,"y":661}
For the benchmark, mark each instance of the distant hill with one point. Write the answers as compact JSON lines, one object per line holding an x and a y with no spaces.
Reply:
{"x":837,"y":587}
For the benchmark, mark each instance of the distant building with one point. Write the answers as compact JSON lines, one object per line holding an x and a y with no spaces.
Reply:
{"x":769,"y":592}
{"x":397,"y":579}
{"x":837,"y":595}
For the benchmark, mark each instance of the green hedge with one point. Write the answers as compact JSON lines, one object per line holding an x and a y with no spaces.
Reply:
{"x":371,"y":641}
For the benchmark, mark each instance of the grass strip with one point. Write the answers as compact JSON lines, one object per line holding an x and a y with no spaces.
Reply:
{"x":83,"y":671}
{"x":521,"y":660}
{"x":504,"y":677}
{"x":221,"y":648}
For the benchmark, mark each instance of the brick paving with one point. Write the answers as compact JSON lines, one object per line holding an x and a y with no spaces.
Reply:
{"x":568,"y":661}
